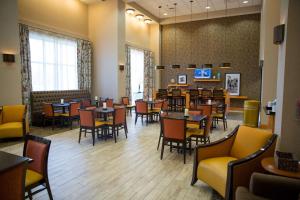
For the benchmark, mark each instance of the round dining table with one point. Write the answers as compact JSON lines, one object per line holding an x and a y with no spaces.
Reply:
{"x":63,"y":106}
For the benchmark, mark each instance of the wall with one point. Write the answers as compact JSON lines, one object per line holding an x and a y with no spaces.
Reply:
{"x":10,"y":74}
{"x":287,"y":123}
{"x":68,"y":16}
{"x":268,"y":52}
{"x":242,"y":50}
{"x":105,"y":22}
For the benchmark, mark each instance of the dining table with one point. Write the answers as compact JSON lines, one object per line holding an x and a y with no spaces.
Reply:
{"x":104,"y":111}
{"x":190,"y":118}
{"x":62,"y":106}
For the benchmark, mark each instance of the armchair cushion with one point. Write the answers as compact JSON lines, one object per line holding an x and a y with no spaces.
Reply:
{"x":249,"y":140}
{"x":213,"y":171}
{"x":11,"y":129}
{"x":13,"y":113}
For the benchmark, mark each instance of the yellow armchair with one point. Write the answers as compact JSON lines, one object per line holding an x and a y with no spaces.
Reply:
{"x":229,"y":163}
{"x":14,"y":121}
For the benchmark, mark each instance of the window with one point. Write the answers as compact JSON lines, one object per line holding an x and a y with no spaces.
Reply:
{"x":137,"y":74}
{"x":53,"y":62}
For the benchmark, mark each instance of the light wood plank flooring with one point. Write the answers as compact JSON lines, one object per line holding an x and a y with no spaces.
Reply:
{"x":129,"y":169}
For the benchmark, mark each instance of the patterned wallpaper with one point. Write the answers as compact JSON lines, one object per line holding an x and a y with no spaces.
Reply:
{"x":208,"y":46}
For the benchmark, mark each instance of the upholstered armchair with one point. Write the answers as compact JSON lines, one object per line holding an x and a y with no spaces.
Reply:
{"x":14,"y":121}
{"x":229,"y":163}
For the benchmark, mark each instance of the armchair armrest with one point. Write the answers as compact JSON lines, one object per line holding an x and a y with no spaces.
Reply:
{"x":240,"y":171}
{"x":25,"y":122}
{"x":274,"y":187}
{"x":215,"y":149}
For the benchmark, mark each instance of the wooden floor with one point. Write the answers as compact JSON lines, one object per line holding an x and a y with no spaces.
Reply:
{"x":129,"y":169}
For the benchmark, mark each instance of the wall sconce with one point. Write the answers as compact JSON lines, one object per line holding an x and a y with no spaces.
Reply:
{"x":9,"y":58}
{"x":121,"y":67}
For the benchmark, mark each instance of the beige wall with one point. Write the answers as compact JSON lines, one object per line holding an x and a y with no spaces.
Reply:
{"x":64,"y":16}
{"x":268,"y":52}
{"x":288,"y":87}
{"x":10,"y":74}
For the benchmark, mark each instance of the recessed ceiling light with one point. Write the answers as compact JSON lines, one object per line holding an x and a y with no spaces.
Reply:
{"x":165,"y":14}
{"x":245,"y":1}
{"x":130,"y":11}
{"x":207,"y":7}
{"x":147,"y":21}
{"x":139,"y":16}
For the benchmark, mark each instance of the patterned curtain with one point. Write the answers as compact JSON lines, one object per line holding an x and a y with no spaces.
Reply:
{"x":84,"y":64}
{"x":25,"y":66}
{"x":128,"y":72}
{"x":148,"y":74}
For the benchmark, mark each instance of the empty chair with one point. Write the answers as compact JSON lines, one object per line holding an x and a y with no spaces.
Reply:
{"x":201,"y":133}
{"x":157,"y":108}
{"x":73,"y":113}
{"x":129,"y":107}
{"x":109,"y":103}
{"x":206,"y":94}
{"x":118,"y":122}
{"x":37,"y":148}
{"x":174,"y":130}
{"x":162,"y":94}
{"x":141,"y":110}
{"x":49,"y":114}
{"x":85,"y":103}
{"x":177,"y":103}
{"x":194,"y":98}
{"x":220,"y":114}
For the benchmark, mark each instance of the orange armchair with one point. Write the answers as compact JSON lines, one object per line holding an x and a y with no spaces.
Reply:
{"x":14,"y":121}
{"x":229,"y":163}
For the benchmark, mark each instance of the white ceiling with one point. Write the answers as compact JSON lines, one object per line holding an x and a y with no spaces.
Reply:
{"x":184,"y":6}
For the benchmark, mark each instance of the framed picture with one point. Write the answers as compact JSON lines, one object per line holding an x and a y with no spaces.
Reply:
{"x":232,"y":83}
{"x":182,"y":79}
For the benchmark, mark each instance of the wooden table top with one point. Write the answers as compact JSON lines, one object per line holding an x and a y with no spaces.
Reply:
{"x":102,"y":110}
{"x":191,"y":118}
{"x":8,"y":160}
{"x":61,"y":104}
{"x":269,"y":165}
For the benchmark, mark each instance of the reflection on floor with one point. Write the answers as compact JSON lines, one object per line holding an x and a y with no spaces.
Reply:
{"x":129,"y":169}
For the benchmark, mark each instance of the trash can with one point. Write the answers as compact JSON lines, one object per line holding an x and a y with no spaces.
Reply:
{"x":251,"y":112}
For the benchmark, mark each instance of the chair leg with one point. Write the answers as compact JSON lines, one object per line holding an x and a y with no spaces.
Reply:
{"x":184,"y":149}
{"x":171,"y":146}
{"x":224,"y":124}
{"x":49,"y":189}
{"x":80,"y":130}
{"x":53,"y":121}
{"x":126,"y":130}
{"x":162,"y":149}
{"x":93,"y":135}
{"x":158,"y":141}
{"x":190,"y":145}
{"x":29,"y":194}
{"x":114,"y":133}
{"x":136,"y":117}
{"x":84,"y":132}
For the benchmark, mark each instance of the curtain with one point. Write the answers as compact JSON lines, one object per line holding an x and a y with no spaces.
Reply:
{"x":128,"y":72}
{"x":84,"y":64}
{"x":25,"y":66}
{"x":148,"y":74}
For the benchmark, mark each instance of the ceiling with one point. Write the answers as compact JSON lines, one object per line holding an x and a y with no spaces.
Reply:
{"x":184,"y":6}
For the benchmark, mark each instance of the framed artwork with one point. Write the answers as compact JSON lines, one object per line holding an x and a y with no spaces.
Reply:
{"x":233,"y":83}
{"x":182,"y":79}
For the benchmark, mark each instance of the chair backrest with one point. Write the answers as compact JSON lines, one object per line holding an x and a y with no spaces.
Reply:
{"x":48,"y":109}
{"x":125,"y":101}
{"x":221,"y":109}
{"x":13,"y":113}
{"x":37,"y":148}
{"x":218,"y":93}
{"x":163,"y":91}
{"x":206,"y":109}
{"x":119,"y":116}
{"x":206,"y":93}
{"x":12,"y":182}
{"x":249,"y":140}
{"x":195,"y":112}
{"x":165,"y":106}
{"x":194,"y":93}
{"x":74,"y":109}
{"x":159,"y":104}
{"x":174,"y":128}
{"x":176,"y":92}
{"x":86,"y":103}
{"x":141,"y":107}
{"x":87,"y":118}
{"x":109,"y":103}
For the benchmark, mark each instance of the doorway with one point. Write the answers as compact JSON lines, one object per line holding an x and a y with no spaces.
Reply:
{"x":137,"y":74}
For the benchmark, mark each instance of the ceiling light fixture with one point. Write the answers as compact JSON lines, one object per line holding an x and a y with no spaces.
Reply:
{"x":245,"y":2}
{"x":165,"y":14}
{"x":147,"y":21}
{"x":159,"y":67}
{"x":207,"y":65}
{"x":191,"y":66}
{"x":139,"y":16}
{"x":226,"y":65}
{"x":207,"y":7}
{"x":130,"y":11}
{"x":175,"y":66}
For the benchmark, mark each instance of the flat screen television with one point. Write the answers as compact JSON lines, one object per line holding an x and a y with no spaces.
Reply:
{"x":202,"y":73}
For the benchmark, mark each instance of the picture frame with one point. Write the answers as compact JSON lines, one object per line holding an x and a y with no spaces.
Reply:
{"x":233,"y":83}
{"x":182,"y":79}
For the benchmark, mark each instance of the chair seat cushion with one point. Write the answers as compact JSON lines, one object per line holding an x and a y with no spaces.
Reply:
{"x":217,"y":115}
{"x":130,"y":106}
{"x":64,"y":114}
{"x":32,"y":177}
{"x":213,"y":171}
{"x":194,"y":132}
{"x":193,"y":125}
{"x":11,"y":129}
{"x":101,"y":123}
{"x":155,"y":110}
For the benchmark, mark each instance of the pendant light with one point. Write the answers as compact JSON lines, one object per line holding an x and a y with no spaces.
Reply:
{"x":207,"y":65}
{"x":191,"y":66}
{"x":225,"y":65}
{"x":175,"y":66}
{"x":159,"y":67}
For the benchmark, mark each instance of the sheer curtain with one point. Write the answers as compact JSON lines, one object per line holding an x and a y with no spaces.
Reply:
{"x":53,"y":62}
{"x":137,"y":73}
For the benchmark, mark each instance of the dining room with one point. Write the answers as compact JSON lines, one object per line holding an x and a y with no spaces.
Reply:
{"x":116,"y":99}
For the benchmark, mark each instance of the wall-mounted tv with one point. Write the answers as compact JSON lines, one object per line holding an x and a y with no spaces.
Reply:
{"x":202,"y":73}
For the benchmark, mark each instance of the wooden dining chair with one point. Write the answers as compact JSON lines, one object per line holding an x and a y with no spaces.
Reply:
{"x":202,"y":133}
{"x":49,"y":114}
{"x":85,"y":103}
{"x":174,"y":130}
{"x":73,"y":113}
{"x":157,"y":108}
{"x":194,"y":112}
{"x":129,"y":107}
{"x":109,"y":103}
{"x":142,"y":111}
{"x":194,"y":98}
{"x":118,"y":122}
{"x":37,"y":148}
{"x":220,"y":114}
{"x":177,"y":100}
{"x":161,"y":115}
{"x":89,"y":124}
